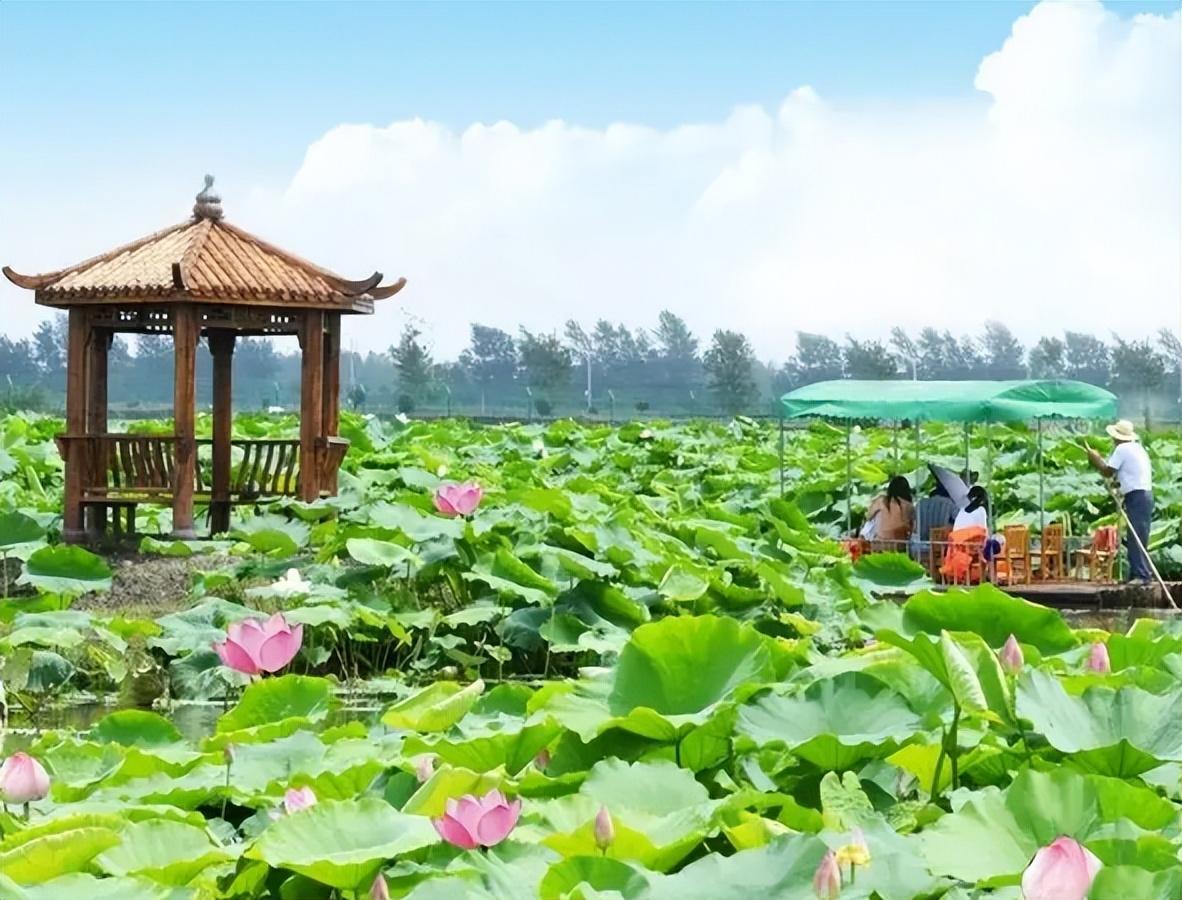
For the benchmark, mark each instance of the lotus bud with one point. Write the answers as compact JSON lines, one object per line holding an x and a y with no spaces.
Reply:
{"x":605,"y":829}
{"x":542,"y":760}
{"x":424,"y":768}
{"x":827,"y":880}
{"x":23,"y":779}
{"x":228,"y":753}
{"x":1011,"y":656}
{"x":298,"y":799}
{"x":647,"y":435}
{"x":856,"y":852}
{"x":379,"y":891}
{"x":1098,"y":659}
{"x":1063,"y":870}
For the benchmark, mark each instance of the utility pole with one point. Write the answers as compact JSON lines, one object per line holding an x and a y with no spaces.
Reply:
{"x":587,"y":357}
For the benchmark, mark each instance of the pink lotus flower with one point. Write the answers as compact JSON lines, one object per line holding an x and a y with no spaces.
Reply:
{"x":255,"y":645}
{"x":297,"y":799}
{"x":605,"y":829}
{"x":23,"y":779}
{"x":458,"y":499}
{"x":424,"y":768}
{"x":827,"y":880}
{"x":472,"y":822}
{"x":379,"y":891}
{"x":1063,"y":870}
{"x":1011,"y":656}
{"x":1098,"y":659}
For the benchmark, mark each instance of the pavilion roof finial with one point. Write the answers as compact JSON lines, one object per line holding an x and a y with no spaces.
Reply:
{"x":209,"y":202}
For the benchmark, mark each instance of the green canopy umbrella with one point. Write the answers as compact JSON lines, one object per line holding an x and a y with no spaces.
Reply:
{"x":947,"y":401}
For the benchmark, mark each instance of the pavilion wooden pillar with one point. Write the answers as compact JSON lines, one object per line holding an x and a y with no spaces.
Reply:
{"x":311,"y":403}
{"x":98,"y":350}
{"x":186,"y":330}
{"x":221,"y":348}
{"x":330,"y":415}
{"x":77,"y":464}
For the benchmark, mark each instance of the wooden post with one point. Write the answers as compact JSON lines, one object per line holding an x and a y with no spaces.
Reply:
{"x":330,"y":410}
{"x":221,"y":348}
{"x":185,"y":332}
{"x":311,"y":403}
{"x":98,"y":348}
{"x":77,"y":465}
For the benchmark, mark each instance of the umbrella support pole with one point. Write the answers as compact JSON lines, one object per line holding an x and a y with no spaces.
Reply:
{"x":968,"y":466}
{"x":781,"y":451}
{"x":849,"y":479}
{"x":1042,"y":509}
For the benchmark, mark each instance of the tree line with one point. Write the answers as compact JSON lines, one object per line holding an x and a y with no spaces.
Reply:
{"x":607,"y":369}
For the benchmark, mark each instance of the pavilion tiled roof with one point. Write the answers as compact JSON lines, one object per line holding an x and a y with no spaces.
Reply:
{"x":204,"y":258}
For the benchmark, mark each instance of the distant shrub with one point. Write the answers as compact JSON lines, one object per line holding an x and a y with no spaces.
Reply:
{"x":642,"y":406}
{"x":543,"y":406}
{"x":406,"y":403}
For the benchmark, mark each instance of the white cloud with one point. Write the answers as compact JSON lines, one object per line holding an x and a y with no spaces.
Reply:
{"x":1049,"y":201}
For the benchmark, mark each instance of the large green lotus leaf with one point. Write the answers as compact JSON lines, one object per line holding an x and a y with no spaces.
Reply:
{"x":435,"y":708}
{"x":87,"y":887}
{"x":965,"y":665}
{"x":267,"y":768}
{"x":684,"y":665}
{"x":419,"y":528}
{"x":897,"y":870}
{"x":17,"y":528}
{"x":893,"y":570}
{"x":992,"y":614}
{"x":66,"y":569}
{"x":1121,"y":732}
{"x":597,"y":873}
{"x":659,"y":810}
{"x":582,"y":707}
{"x":833,"y":724}
{"x":274,"y":699}
{"x":168,"y":852}
{"x":505,"y":573}
{"x":56,"y":848}
{"x":508,"y":871}
{"x":273,"y":534}
{"x":559,"y":564}
{"x":448,"y":782}
{"x":372,"y":552}
{"x":782,"y":869}
{"x":1141,"y":648}
{"x":487,"y":742}
{"x":1004,"y":829}
{"x":136,"y":728}
{"x":342,"y":844}
{"x":1128,"y":882}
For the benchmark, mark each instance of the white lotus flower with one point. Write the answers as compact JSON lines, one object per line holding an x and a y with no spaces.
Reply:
{"x":403,"y":418}
{"x":647,"y":435}
{"x":291,"y":584}
{"x":441,"y":472}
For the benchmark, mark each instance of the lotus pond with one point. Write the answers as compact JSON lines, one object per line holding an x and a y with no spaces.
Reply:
{"x":632,"y":669}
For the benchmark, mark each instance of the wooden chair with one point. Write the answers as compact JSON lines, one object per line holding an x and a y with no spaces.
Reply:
{"x":1097,"y":561}
{"x":1052,"y":565}
{"x":1017,"y":554}
{"x":937,"y":542}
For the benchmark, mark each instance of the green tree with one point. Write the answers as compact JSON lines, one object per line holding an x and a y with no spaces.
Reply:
{"x":906,"y":351}
{"x":413,"y":363}
{"x":1137,"y":368}
{"x":868,"y":360}
{"x":675,"y":352}
{"x":491,"y":356}
{"x":817,"y":358}
{"x":729,"y":365}
{"x":1001,"y":353}
{"x":545,"y":360}
{"x":1086,"y":358}
{"x":1048,"y":358}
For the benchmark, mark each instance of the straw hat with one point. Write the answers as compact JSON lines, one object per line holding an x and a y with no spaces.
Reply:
{"x":1122,"y":431}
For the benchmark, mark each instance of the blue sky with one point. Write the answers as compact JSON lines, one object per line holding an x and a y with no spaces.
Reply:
{"x":113,"y":111}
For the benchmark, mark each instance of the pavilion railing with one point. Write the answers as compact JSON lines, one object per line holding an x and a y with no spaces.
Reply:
{"x":135,"y":466}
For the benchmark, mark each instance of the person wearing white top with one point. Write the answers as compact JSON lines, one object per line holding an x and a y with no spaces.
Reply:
{"x":1130,"y":464}
{"x":976,"y":512}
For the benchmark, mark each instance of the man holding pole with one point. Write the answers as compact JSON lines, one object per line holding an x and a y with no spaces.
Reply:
{"x":1130,"y":464}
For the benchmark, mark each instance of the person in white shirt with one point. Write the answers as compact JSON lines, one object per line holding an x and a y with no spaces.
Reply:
{"x":1130,"y":464}
{"x":976,"y":511}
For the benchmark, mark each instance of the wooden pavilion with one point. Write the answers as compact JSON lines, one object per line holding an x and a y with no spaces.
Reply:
{"x":200,"y":278}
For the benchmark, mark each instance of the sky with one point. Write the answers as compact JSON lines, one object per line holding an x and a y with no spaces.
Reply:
{"x":839,"y":167}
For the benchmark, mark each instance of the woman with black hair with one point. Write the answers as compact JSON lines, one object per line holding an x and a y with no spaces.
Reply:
{"x":891,"y":515}
{"x":976,"y":512}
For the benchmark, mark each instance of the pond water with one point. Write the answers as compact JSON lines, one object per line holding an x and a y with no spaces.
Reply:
{"x":1116,"y":620}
